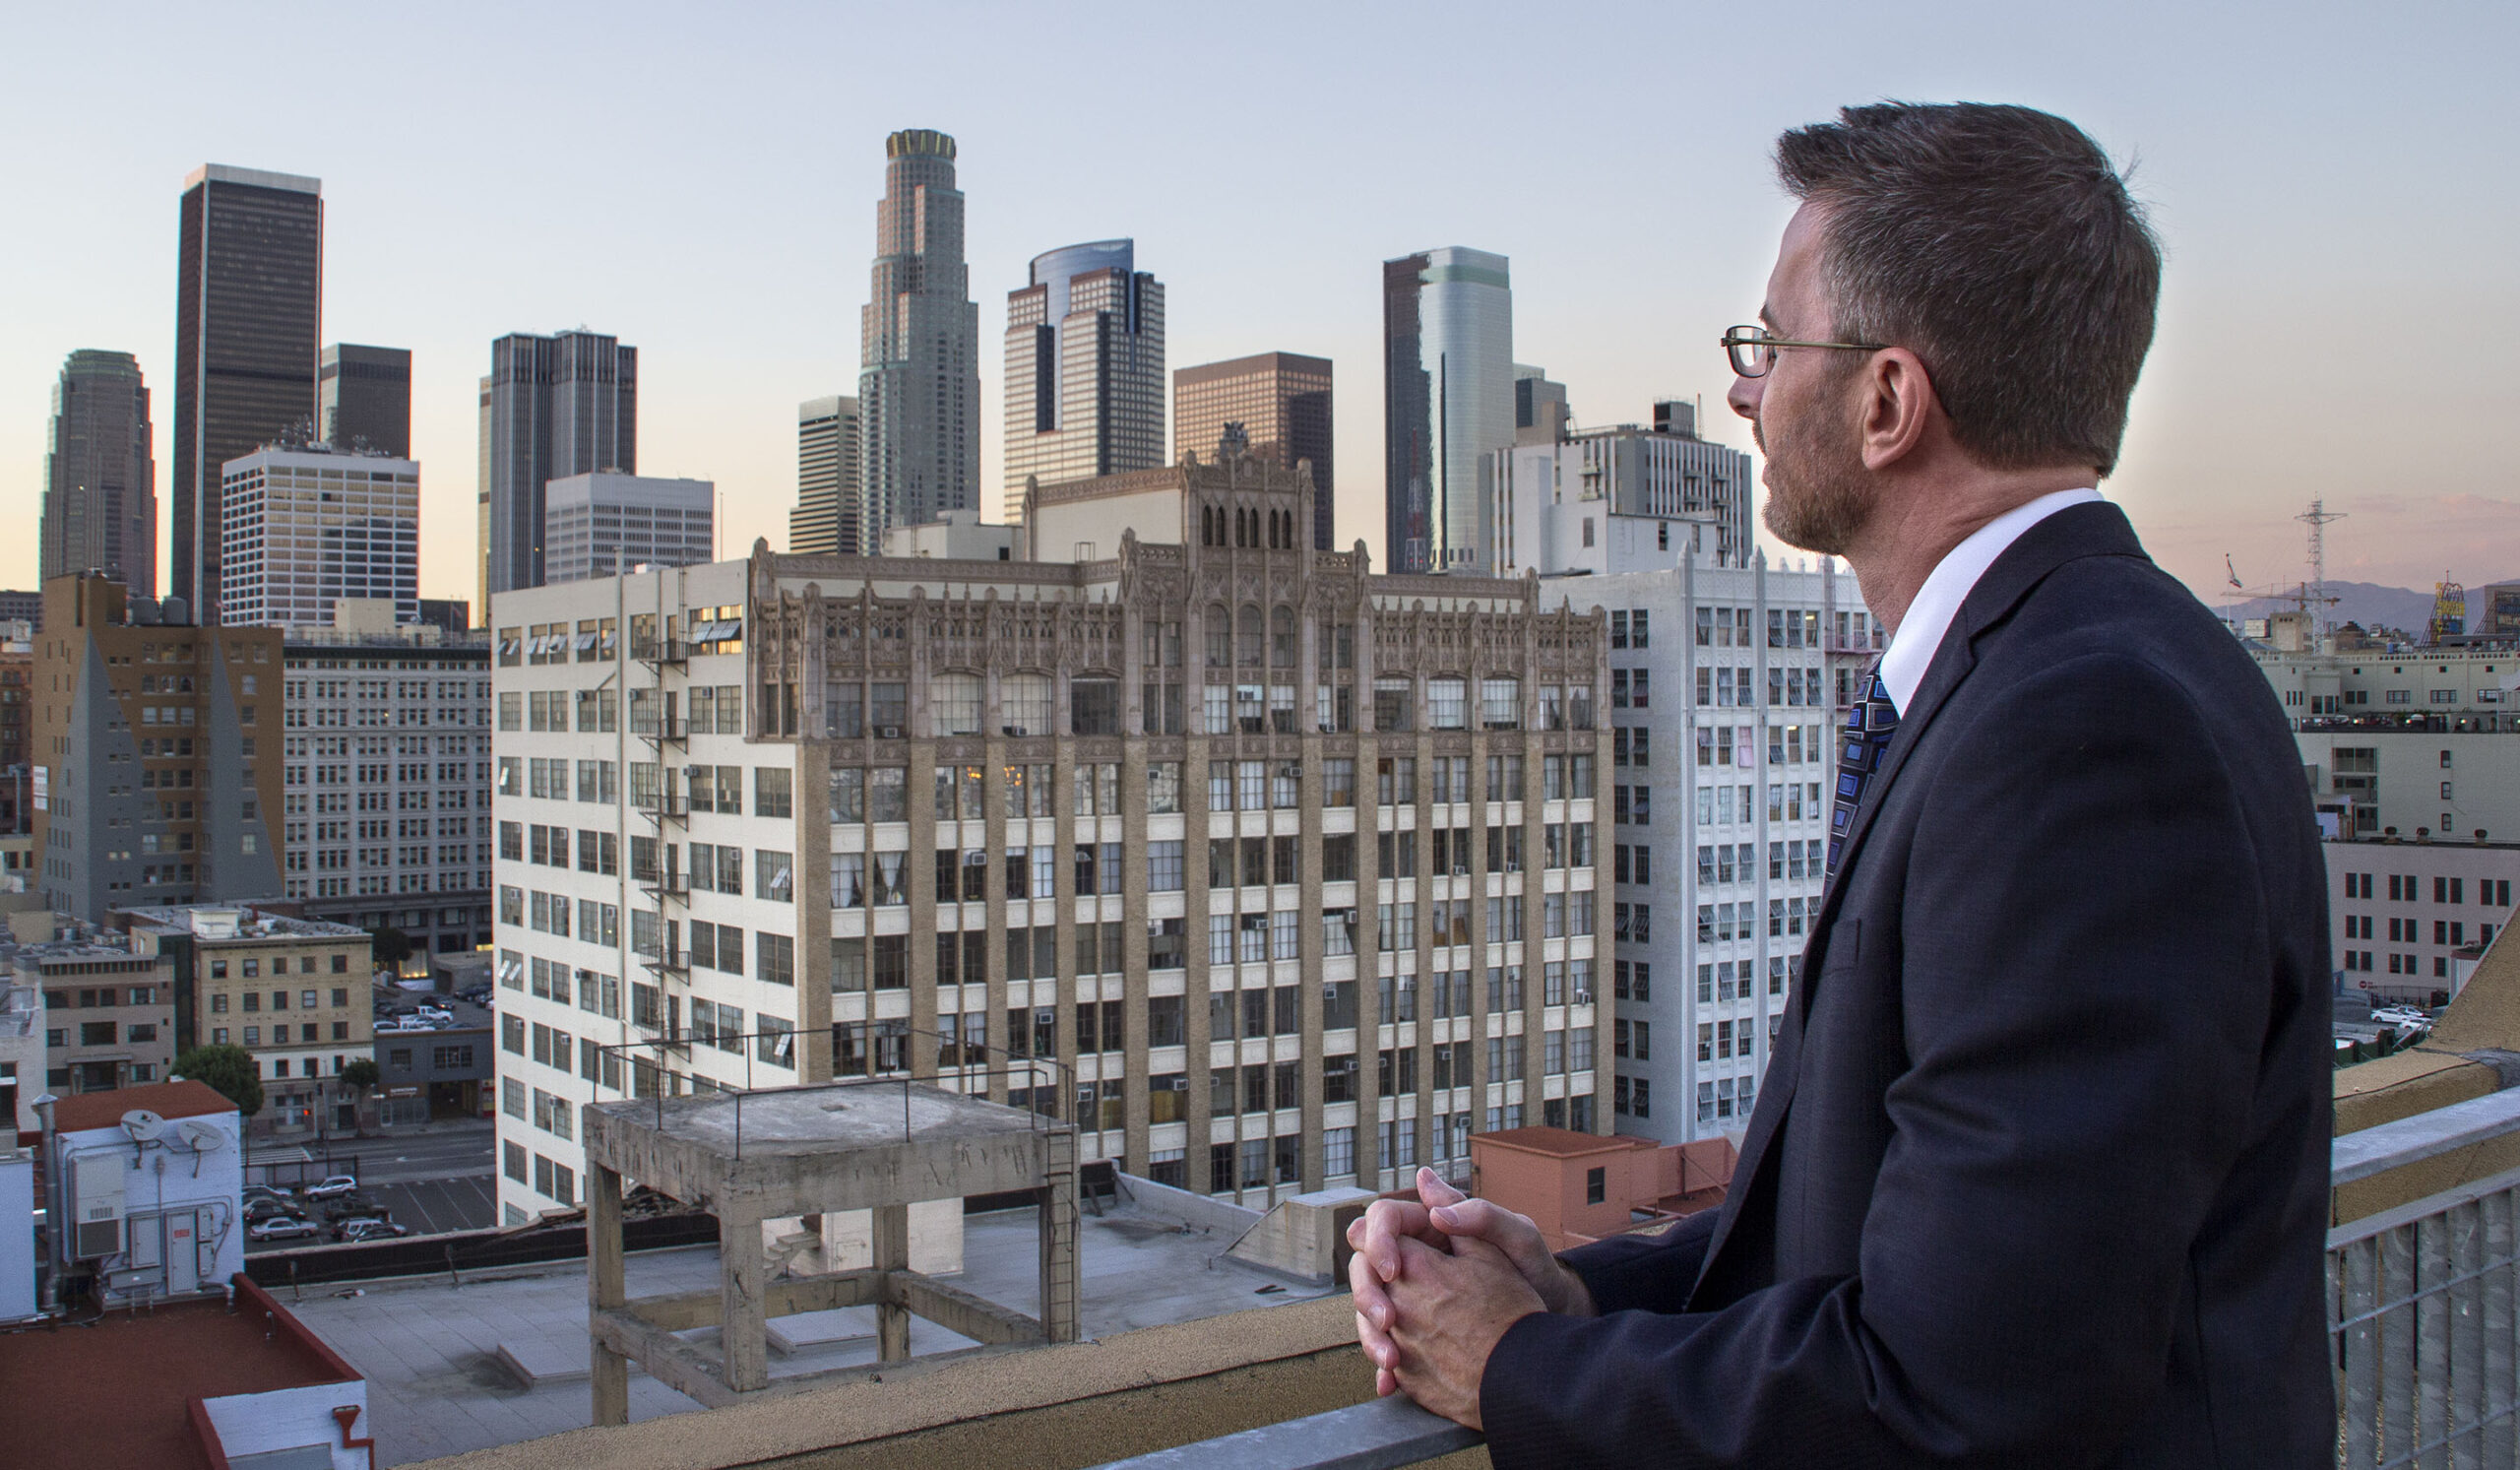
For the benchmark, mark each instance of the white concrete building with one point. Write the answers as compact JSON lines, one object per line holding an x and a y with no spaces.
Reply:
{"x":1628,"y":499}
{"x":2406,"y":741}
{"x":301,"y":528}
{"x":1178,"y":843}
{"x":599,"y":523}
{"x":1726,"y":687}
{"x":386,"y":779}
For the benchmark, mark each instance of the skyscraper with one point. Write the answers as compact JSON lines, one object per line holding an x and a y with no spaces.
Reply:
{"x":1083,"y":368}
{"x":919,"y":387}
{"x":1282,"y":400}
{"x":1448,"y":399}
{"x":306,"y":526}
{"x":551,"y":407}
{"x":826,"y":520}
{"x":100,"y":480}
{"x":248,"y":320}
{"x":363,"y":395}
{"x":602,"y":524}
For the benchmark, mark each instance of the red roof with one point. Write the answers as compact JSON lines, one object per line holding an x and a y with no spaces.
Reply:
{"x":1561,"y":1143}
{"x":81,"y":1111}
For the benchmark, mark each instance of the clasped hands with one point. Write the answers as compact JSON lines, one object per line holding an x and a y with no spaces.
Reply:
{"x":1438,"y":1280}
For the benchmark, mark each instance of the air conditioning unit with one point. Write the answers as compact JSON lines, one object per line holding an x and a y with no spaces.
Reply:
{"x":1583,"y":998}
{"x":888,"y":731}
{"x":1181,"y":1084}
{"x":97,"y":1205}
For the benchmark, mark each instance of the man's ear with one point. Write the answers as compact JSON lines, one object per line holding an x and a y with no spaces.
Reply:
{"x":1897,"y":406}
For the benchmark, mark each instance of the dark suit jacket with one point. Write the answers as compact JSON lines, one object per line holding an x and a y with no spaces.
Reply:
{"x":2039,"y":1173}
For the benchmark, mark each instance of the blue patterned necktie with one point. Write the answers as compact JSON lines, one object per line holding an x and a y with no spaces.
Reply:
{"x":1869,"y":727}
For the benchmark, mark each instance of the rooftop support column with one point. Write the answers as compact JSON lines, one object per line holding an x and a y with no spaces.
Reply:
{"x":607,"y":1371}
{"x":892,"y":1253}
{"x":743,"y":1329}
{"x":1060,"y":1286}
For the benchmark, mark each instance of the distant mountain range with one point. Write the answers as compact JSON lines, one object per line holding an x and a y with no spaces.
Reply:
{"x":2364,"y":603}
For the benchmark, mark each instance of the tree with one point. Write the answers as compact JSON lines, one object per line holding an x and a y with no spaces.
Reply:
{"x":360,"y":1074}
{"x":391,"y":947}
{"x":230,"y":1072}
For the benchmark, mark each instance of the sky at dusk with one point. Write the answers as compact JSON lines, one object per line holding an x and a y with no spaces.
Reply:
{"x":2333,"y":186}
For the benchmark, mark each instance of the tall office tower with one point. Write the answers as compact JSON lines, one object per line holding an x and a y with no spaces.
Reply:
{"x":100,"y":480}
{"x":196,"y":711}
{"x":363,"y":398}
{"x":826,"y":520}
{"x":248,"y":323}
{"x":1448,"y":400}
{"x":1626,"y":498}
{"x":1282,"y":400}
{"x":1083,"y":369}
{"x":599,"y":525}
{"x":552,"y":407}
{"x":919,"y":387}
{"x":1727,"y":686}
{"x":305,"y":527}
{"x":1541,"y":415}
{"x":1298,"y":899}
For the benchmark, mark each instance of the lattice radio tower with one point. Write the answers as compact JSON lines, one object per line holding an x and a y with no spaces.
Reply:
{"x":2317,"y":518}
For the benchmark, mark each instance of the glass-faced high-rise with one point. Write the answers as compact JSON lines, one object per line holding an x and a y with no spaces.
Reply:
{"x":1083,"y":368}
{"x":248,"y":320}
{"x":1448,"y":399}
{"x":919,"y":387}
{"x":551,"y":407}
{"x":100,"y":494}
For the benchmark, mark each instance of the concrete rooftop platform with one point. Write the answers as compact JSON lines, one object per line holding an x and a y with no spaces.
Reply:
{"x":843,"y":1146}
{"x":429,"y":1350}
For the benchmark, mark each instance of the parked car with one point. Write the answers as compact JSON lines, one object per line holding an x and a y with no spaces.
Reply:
{"x":431,"y":1011}
{"x":367,"y":1228}
{"x":339,"y":1183}
{"x":281,"y":1228}
{"x":267,"y":1209}
{"x":268,"y":1191}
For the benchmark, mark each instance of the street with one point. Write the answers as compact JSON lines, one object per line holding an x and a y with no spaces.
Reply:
{"x":441,"y":1179}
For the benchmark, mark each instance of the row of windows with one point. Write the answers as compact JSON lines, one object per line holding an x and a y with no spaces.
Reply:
{"x":2409,"y":888}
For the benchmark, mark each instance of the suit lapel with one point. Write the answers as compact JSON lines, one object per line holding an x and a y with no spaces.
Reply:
{"x":2098,"y":529}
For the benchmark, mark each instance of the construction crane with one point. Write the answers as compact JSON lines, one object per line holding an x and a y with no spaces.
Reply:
{"x":2308,"y":593}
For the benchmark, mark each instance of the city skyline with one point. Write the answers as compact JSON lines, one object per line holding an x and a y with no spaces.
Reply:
{"x":2243,"y":168}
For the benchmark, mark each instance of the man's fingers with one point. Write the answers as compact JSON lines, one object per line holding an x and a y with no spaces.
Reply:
{"x":1385,"y":1223}
{"x":1433,"y":1190}
{"x":1374,"y":1305}
{"x":1484,"y":1220}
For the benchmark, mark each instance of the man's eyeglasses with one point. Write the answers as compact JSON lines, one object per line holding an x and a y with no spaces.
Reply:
{"x":1753,"y":348}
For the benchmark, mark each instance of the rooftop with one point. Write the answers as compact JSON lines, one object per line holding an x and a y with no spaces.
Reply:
{"x":81,"y":1111}
{"x":117,"y":1391}
{"x":239,"y":923}
{"x":438,"y":1383}
{"x":1563,"y":1143}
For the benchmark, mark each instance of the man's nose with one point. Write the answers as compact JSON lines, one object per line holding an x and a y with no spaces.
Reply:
{"x":1744,"y":397}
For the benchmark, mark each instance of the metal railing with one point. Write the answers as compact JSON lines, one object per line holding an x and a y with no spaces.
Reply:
{"x":2423,"y":1324}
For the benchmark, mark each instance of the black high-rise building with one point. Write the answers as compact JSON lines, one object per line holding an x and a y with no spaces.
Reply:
{"x":551,"y":407}
{"x":248,"y":319}
{"x":363,"y":398}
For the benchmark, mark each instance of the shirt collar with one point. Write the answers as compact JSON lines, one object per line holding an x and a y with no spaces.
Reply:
{"x":1912,"y":649}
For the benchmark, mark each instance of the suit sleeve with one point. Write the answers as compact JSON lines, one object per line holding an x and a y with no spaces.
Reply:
{"x":1644,"y":1273}
{"x":2084,"y":980}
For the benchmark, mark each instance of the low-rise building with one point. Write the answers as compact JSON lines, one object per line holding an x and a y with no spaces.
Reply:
{"x":22,"y":1074}
{"x":2409,"y":740}
{"x":432,"y":1075}
{"x":108,"y":1003}
{"x":292,"y":992}
{"x":2403,"y":911}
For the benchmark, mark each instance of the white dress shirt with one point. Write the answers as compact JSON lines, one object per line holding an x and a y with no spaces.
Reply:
{"x":1912,"y":649}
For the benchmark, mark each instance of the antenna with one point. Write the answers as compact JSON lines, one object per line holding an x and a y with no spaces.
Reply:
{"x":2317,"y":518}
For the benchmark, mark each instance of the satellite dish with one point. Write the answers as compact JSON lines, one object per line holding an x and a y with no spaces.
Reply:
{"x":142,"y":1124}
{"x":199,"y":1136}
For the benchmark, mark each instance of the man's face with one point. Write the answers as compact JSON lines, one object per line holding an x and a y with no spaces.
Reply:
{"x":1801,"y":413}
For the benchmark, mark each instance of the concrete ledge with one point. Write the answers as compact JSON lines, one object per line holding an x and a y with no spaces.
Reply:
{"x":1062,"y":1407}
{"x":535,"y":1362}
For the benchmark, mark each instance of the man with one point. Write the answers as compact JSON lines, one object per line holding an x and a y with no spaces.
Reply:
{"x":2038,"y":1172}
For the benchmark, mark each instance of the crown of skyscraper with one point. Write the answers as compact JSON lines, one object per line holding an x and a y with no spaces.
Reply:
{"x":919,"y":141}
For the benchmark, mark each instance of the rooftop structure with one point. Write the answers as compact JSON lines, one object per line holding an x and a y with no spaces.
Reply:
{"x":755,"y":1157}
{"x":183,"y":1387}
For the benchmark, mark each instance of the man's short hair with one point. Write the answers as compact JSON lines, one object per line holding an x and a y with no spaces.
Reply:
{"x":2000,"y":246}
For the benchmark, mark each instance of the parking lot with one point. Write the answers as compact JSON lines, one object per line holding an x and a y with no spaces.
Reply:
{"x":427,"y":1180}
